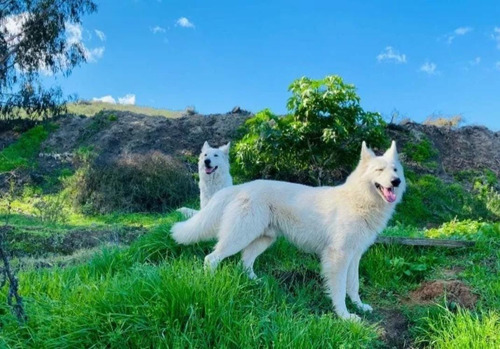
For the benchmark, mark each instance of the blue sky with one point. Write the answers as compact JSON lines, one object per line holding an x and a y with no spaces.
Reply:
{"x":418,"y":57}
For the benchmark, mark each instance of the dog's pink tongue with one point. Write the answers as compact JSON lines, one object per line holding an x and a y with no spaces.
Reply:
{"x":209,"y":170}
{"x":389,"y":194}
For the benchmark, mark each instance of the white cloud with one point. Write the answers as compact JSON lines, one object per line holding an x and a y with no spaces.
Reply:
{"x":496,"y":36}
{"x":105,"y":99}
{"x":74,"y":37}
{"x":429,"y":68}
{"x":128,"y":99}
{"x":462,"y":30}
{"x":100,"y":35}
{"x":94,"y":54}
{"x":184,"y":22}
{"x":391,"y":55}
{"x":157,"y":29}
{"x":475,"y":61}
{"x":457,"y":32}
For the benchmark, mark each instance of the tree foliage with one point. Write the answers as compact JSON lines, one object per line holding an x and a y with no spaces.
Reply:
{"x":317,"y":142}
{"x":33,"y":40}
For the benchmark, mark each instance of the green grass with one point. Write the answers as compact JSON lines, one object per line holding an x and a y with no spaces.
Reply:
{"x":95,"y":107}
{"x":25,"y":150}
{"x":156,"y":294}
{"x":442,"y":328}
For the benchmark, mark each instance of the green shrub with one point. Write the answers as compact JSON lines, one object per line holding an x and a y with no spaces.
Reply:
{"x":52,"y":209}
{"x":318,"y":142}
{"x":429,"y":200}
{"x":469,"y":229}
{"x":422,"y":153}
{"x":23,"y":152}
{"x":151,"y":182}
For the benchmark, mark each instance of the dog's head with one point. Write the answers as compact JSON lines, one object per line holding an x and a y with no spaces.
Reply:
{"x":384,"y":174}
{"x":211,"y":159}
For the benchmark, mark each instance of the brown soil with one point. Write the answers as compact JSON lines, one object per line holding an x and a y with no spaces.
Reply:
{"x":454,"y":291}
{"x":395,"y":325}
{"x":7,"y":138}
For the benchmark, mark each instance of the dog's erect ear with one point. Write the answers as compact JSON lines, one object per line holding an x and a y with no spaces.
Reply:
{"x":225,"y":148}
{"x":205,"y":146}
{"x":392,"y":152}
{"x":366,"y":153}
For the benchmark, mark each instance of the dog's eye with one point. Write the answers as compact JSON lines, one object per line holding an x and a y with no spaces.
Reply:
{"x":216,"y":155}
{"x":205,"y":154}
{"x":379,"y":169}
{"x":395,"y":170}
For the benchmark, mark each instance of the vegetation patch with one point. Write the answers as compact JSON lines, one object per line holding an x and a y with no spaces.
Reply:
{"x":24,"y":151}
{"x":421,"y":153}
{"x":431,"y":201}
{"x":443,"y":328}
{"x":317,"y":143}
{"x":151,"y":182}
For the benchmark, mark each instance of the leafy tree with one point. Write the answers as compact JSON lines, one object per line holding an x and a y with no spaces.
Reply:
{"x":317,"y":142}
{"x":32,"y":40}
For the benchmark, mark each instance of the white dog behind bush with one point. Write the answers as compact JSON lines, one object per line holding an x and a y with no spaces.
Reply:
{"x":213,"y":169}
{"x":338,"y":223}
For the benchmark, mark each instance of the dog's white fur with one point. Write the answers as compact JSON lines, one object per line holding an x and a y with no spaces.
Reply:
{"x":337,"y":223}
{"x":210,"y":183}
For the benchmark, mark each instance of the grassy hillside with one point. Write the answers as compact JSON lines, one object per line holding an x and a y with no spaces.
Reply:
{"x":92,"y":108}
{"x":119,"y":280}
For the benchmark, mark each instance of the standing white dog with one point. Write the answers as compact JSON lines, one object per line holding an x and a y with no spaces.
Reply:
{"x":213,"y":169}
{"x":338,"y":223}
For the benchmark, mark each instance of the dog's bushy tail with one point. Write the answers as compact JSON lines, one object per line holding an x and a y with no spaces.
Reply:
{"x":201,"y":226}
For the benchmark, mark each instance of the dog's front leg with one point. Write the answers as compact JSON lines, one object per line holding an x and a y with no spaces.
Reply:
{"x":353,"y":283}
{"x":335,"y":263}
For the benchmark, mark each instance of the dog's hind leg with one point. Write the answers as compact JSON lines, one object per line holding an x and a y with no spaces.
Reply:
{"x":241,"y":224}
{"x":252,"y":251}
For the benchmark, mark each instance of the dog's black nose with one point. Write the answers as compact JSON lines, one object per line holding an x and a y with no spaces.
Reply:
{"x":396,"y":182}
{"x":207,"y":162}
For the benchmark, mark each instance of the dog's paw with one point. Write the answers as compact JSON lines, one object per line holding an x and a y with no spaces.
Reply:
{"x":352,"y":317}
{"x":211,"y":262}
{"x":364,"y":307}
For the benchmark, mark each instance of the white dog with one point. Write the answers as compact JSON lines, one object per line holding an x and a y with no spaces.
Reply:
{"x":213,"y":169}
{"x":338,"y":223}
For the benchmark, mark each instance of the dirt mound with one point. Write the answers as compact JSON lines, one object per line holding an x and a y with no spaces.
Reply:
{"x":395,"y":325}
{"x":454,"y":291}
{"x":459,"y":149}
{"x":115,"y":133}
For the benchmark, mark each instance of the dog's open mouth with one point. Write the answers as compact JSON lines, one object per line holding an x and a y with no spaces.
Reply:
{"x":387,"y":193}
{"x":209,"y":170}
